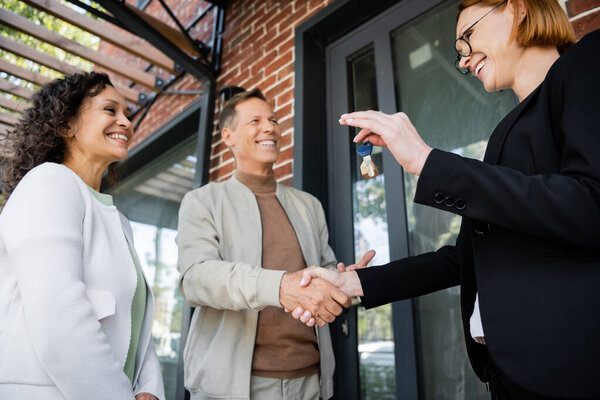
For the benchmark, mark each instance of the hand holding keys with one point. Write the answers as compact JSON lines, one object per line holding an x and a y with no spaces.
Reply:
{"x":367,"y":168}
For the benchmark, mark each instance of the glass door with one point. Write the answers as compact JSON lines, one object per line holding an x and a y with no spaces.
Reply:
{"x":150,"y":199}
{"x":402,"y":60}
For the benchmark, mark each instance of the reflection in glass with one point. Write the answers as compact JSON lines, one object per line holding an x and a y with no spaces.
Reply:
{"x":375,"y":332}
{"x":451,"y":112}
{"x":150,"y":199}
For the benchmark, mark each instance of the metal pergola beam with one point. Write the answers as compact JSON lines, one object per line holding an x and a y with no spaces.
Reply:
{"x":4,"y":128}
{"x":13,"y":105}
{"x":23,"y":73}
{"x":105,"y":32}
{"x":47,"y":60}
{"x":15,"y":90}
{"x":8,"y":119}
{"x":142,"y":28}
{"x":42,"y":33}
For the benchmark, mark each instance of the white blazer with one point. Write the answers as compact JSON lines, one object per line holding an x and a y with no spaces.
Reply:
{"x":67,"y":282}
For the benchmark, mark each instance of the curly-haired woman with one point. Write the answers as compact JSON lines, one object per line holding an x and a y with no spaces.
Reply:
{"x":75,"y":309}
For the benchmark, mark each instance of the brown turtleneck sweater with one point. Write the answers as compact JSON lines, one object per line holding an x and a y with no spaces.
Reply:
{"x":285,"y":348}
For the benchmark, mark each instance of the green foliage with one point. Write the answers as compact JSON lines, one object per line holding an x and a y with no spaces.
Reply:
{"x":375,"y":325}
{"x":371,"y":199}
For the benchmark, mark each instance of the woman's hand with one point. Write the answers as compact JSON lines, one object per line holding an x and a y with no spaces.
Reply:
{"x":348,"y":282}
{"x":395,"y":132}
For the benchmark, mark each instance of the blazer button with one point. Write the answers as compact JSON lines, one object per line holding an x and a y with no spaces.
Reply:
{"x":460,"y":204}
{"x":481,"y":228}
{"x":438,"y":198}
{"x":449,"y":201}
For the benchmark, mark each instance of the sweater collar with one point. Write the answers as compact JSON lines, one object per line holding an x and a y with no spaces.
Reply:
{"x":258,"y":184}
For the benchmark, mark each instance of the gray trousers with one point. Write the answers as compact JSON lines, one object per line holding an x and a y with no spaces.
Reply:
{"x":305,"y":388}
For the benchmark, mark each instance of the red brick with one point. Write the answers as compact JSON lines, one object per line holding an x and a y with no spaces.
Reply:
{"x":275,"y":41}
{"x":286,"y":140}
{"x":215,"y":161}
{"x":285,"y":155}
{"x":284,"y":111}
{"x":251,"y":82}
{"x":267,"y":83}
{"x":222,"y":171}
{"x":575,"y":7}
{"x":286,"y":124}
{"x":254,"y":18}
{"x":259,"y":65}
{"x":586,"y":24}
{"x":238,"y":39}
{"x":255,"y":37}
{"x":283,"y":170}
{"x":228,"y":155}
{"x":220,"y":147}
{"x":288,"y":44}
{"x":279,"y":88}
{"x":298,"y":12}
{"x":280,"y":62}
{"x":285,"y":97}
{"x":305,"y":17}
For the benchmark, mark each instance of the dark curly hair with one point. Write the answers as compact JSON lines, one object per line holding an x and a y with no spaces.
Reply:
{"x":40,"y":134}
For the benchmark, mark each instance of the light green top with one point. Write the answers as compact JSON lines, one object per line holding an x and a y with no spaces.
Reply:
{"x":138,"y":306}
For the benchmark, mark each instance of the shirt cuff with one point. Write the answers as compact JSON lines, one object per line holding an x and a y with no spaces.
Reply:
{"x":267,"y":287}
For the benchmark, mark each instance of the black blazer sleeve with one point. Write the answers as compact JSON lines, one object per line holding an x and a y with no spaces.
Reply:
{"x":563,"y":206}
{"x":409,"y":277}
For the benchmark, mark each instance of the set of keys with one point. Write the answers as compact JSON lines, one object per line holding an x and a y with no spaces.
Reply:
{"x":368,"y":169}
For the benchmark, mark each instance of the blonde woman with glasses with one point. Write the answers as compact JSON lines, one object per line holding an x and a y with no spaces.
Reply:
{"x":528,"y":254}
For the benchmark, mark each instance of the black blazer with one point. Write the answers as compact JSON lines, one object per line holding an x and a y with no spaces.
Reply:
{"x":529,"y":241}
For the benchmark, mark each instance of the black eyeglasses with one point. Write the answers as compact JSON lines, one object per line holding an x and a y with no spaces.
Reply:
{"x":462,"y":45}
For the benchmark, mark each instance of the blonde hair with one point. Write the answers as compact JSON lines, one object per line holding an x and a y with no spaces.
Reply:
{"x":545,"y":24}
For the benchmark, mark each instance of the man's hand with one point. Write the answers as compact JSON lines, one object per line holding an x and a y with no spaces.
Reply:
{"x":145,"y":396}
{"x":319,"y":299}
{"x":348,"y":283}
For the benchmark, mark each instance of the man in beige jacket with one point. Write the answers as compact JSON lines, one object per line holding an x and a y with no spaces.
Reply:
{"x":243,"y":244}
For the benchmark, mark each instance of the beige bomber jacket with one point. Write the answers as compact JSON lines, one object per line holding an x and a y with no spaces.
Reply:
{"x":220,"y":252}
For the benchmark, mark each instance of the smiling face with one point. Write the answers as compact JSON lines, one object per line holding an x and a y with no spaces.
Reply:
{"x":255,"y":140}
{"x":101,"y":130}
{"x":495,"y":56}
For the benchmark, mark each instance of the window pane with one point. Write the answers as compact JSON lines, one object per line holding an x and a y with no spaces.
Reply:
{"x":375,"y":332}
{"x":451,"y":112}
{"x":151,"y":199}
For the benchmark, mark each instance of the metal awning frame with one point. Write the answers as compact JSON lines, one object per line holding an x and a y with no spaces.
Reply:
{"x":172,"y":50}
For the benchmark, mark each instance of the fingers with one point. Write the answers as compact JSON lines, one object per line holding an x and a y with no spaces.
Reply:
{"x":366,"y":259}
{"x":297,"y":313}
{"x":363,"y":135}
{"x":368,"y":121}
{"x":340,"y":298}
{"x":317,"y":272}
{"x":341,"y":267}
{"x":310,"y":273}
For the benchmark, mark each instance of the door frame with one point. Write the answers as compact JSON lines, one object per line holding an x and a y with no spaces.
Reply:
{"x":321,"y":96}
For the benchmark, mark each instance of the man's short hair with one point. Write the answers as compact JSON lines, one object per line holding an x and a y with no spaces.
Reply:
{"x":228,"y":116}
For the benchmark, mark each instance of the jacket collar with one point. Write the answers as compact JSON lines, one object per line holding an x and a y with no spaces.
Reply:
{"x":496,"y":142}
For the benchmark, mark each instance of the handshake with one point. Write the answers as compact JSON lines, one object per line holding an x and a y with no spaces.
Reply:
{"x":316,"y":295}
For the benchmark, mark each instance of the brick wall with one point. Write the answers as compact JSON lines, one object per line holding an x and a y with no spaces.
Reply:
{"x":584,"y":15}
{"x":258,"y":51}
